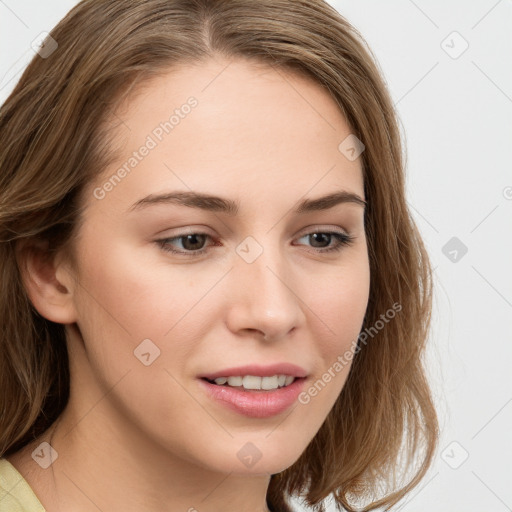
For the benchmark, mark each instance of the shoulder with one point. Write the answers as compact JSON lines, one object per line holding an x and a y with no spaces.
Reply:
{"x":15,"y":493}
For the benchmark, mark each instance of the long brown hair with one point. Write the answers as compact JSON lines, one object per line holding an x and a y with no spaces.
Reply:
{"x":54,"y":133}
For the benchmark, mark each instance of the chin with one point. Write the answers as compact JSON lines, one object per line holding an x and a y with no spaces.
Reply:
{"x":252,"y":457}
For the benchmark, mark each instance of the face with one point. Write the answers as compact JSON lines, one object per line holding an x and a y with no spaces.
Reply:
{"x":174,"y":290}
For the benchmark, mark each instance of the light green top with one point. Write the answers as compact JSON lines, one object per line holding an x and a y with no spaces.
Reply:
{"x":15,"y":493}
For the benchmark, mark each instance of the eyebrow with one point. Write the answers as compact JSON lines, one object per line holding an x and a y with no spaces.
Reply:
{"x":230,"y":207}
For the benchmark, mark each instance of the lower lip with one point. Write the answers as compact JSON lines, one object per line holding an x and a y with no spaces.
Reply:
{"x":255,"y":403}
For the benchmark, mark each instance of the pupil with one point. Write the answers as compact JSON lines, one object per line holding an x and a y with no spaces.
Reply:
{"x":194,"y":238}
{"x":315,"y":236}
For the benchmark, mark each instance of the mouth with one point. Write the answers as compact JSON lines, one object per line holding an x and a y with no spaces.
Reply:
{"x":256,"y":391}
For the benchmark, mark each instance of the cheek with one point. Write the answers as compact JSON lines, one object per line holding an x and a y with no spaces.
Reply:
{"x":345,"y":310}
{"x":124,"y":301}
{"x":131,"y":293}
{"x":339,"y":300}
{"x":337,"y":314}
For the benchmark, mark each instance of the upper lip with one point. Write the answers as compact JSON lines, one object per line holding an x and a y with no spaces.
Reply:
{"x":258,"y":370}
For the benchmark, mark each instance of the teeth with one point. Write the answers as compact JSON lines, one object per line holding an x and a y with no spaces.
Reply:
{"x":255,"y":382}
{"x":235,"y":381}
{"x":267,"y":382}
{"x":252,"y":382}
{"x":289,"y":380}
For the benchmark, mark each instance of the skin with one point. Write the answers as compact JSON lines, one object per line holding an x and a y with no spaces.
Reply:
{"x":136,"y":437}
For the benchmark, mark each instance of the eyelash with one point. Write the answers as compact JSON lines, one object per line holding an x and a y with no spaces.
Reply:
{"x":343,"y":240}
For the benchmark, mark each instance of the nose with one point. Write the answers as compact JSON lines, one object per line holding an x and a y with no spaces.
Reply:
{"x":262,"y":297}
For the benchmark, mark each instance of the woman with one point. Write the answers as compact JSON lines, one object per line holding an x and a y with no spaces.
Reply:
{"x":213,"y":296}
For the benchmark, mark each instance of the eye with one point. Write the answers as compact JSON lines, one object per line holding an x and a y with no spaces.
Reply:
{"x":193,"y":244}
{"x":321,"y":240}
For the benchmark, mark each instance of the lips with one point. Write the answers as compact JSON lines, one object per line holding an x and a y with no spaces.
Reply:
{"x":254,"y":403}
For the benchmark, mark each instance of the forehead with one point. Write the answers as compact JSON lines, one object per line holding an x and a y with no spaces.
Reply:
{"x":232,"y":127}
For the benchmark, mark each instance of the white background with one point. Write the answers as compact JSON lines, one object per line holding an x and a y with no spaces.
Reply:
{"x":456,"y":118}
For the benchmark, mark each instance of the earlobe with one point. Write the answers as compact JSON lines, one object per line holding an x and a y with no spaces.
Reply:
{"x":48,"y":283}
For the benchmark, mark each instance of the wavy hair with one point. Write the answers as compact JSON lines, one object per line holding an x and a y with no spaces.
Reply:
{"x":55,"y":140}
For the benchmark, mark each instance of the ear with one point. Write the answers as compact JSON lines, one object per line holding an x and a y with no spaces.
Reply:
{"x":48,"y":280}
